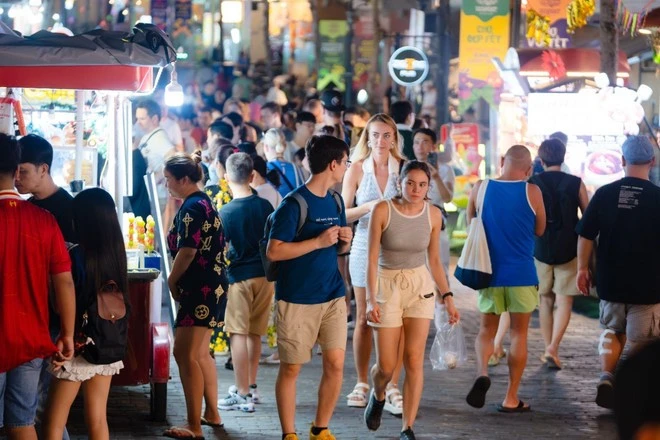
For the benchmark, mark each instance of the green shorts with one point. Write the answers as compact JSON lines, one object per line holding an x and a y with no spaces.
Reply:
{"x":517,"y":299}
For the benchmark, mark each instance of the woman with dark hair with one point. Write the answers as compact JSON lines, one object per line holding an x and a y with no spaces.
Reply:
{"x":403,"y":237}
{"x":265,"y":182}
{"x":98,"y":259}
{"x":198,"y":282}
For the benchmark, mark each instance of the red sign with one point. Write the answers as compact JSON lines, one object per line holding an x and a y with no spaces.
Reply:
{"x":465,"y":145}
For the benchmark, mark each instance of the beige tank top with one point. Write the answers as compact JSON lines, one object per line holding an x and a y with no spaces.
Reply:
{"x":405,"y":240}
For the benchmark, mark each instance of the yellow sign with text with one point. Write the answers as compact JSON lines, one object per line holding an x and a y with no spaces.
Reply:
{"x":484,"y":35}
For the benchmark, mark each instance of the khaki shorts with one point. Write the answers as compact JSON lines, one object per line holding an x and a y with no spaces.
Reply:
{"x":639,"y":322}
{"x":559,"y":278}
{"x":300,"y":326}
{"x":248,"y":307}
{"x":404,"y":293}
{"x":516,"y":299}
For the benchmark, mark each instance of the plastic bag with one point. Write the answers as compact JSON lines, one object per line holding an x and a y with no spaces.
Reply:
{"x":448,"y":350}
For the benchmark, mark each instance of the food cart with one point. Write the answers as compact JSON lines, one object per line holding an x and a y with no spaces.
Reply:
{"x":113,"y":66}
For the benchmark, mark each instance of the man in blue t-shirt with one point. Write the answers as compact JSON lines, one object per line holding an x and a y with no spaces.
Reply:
{"x":310,"y":289}
{"x":250,"y":294}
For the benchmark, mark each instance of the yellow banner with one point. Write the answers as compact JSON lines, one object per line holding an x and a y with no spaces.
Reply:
{"x":484,"y":35}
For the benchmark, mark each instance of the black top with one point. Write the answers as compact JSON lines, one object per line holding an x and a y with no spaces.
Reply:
{"x":561,"y":198}
{"x":197,"y":226}
{"x":243,"y":222}
{"x":626,"y":214}
{"x":60,"y":205}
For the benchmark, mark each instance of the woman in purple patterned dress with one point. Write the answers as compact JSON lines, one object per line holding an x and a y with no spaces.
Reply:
{"x":198,"y":282}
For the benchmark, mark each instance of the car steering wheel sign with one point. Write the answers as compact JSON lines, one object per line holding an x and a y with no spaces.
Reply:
{"x":408,"y":66}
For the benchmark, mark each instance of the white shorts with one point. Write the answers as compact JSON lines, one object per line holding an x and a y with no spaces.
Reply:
{"x":404,"y":293}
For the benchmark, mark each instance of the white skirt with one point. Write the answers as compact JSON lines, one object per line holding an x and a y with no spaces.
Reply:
{"x":79,"y":370}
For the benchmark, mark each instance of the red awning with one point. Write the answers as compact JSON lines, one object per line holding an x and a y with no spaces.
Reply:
{"x":579,"y":62}
{"x":119,"y":78}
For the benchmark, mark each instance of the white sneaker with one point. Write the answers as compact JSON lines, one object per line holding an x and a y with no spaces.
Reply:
{"x":236,"y":402}
{"x":254,"y":392}
{"x":233,"y":389}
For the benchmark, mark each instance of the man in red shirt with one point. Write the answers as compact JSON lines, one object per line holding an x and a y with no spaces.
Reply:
{"x":31,"y":249}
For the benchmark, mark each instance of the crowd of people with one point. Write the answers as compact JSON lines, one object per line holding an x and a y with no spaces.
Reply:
{"x":301,"y":209}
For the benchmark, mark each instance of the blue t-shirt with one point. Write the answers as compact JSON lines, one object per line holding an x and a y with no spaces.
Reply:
{"x":243,"y":221}
{"x":312,"y":278}
{"x":290,"y":175}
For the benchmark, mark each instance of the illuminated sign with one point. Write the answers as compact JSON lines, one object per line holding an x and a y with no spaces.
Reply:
{"x":408,"y":66}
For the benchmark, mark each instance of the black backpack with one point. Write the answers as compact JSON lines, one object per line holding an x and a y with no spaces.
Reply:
{"x":104,"y":320}
{"x":558,"y":244}
{"x":271,"y":268}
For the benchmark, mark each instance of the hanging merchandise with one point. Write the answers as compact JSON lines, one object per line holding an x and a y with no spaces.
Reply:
{"x":538,"y":28}
{"x":629,"y":21}
{"x":578,"y":13}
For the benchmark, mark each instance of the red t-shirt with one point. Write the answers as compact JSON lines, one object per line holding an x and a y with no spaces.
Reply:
{"x":31,"y":249}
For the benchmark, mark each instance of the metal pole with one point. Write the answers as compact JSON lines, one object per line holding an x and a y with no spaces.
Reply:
{"x":221,"y":48}
{"x":443,"y":53}
{"x":80,"y":131}
{"x":348,"y":52}
{"x":269,"y":57}
{"x":515,"y":24}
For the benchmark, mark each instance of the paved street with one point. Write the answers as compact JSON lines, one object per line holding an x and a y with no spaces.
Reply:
{"x":562,"y":402}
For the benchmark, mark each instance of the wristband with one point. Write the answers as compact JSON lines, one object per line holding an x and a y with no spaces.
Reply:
{"x":445,"y":295}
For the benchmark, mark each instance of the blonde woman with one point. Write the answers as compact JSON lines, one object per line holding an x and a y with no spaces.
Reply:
{"x":291,"y":176}
{"x":373,"y":177}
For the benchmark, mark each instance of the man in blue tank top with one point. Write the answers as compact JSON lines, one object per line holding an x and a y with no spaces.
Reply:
{"x":512,"y":214}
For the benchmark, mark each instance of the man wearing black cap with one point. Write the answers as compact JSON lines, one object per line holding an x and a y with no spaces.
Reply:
{"x":332,"y":108}
{"x":625,"y":215}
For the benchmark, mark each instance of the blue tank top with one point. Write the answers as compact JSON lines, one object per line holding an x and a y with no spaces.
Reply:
{"x":509,"y":222}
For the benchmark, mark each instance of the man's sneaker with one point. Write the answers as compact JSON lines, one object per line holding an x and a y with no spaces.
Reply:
{"x":236,"y":402}
{"x":605,"y":393}
{"x":254,"y":392}
{"x":323,"y":435}
{"x":291,"y":437}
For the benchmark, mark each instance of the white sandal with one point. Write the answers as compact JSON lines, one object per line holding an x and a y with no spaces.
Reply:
{"x":358,"y":397}
{"x":393,"y":400}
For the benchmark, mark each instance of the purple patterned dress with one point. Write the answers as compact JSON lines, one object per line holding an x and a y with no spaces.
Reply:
{"x":203,"y":286}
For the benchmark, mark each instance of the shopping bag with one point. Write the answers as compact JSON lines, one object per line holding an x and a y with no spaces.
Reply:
{"x":448,"y":350}
{"x":474,"y":269}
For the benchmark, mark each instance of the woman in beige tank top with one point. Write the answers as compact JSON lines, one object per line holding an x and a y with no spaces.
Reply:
{"x":403,"y":270}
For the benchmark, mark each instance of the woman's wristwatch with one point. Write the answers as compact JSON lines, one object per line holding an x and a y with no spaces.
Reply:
{"x":445,"y":295}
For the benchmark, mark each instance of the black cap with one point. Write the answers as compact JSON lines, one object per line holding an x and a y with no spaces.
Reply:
{"x":331,"y":100}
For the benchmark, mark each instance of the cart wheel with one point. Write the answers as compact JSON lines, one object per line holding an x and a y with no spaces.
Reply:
{"x":158,"y":401}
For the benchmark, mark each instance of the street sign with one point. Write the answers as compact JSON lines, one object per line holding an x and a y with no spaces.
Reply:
{"x":408,"y":66}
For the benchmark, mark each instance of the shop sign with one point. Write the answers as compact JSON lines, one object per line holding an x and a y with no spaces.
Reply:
{"x":331,"y":60}
{"x":465,"y":140}
{"x":484,"y":35}
{"x":159,"y":13}
{"x":183,"y":9}
{"x":365,"y":51}
{"x":555,"y":11}
{"x":408,"y":66}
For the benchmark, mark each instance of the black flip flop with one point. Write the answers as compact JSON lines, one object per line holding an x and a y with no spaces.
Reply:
{"x":213,"y":425}
{"x":521,"y":408}
{"x":477,"y":395}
